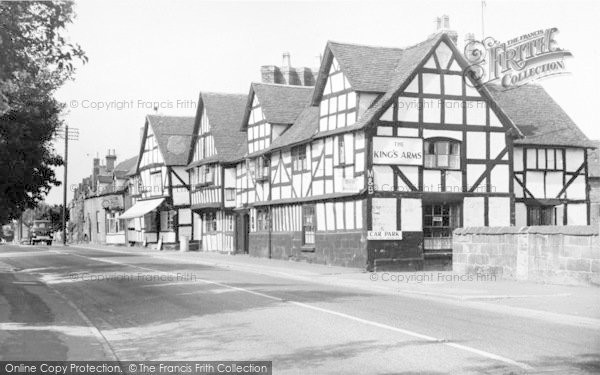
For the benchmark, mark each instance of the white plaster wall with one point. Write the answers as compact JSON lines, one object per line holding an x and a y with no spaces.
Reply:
{"x":411,"y":215}
{"x":520,"y":215}
{"x":499,"y":209}
{"x":577,"y":214}
{"x":473,"y":212}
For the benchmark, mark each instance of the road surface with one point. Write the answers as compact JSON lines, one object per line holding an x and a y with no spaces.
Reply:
{"x":69,"y":303}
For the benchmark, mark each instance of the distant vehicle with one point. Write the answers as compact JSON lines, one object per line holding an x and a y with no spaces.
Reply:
{"x":41,"y":231}
{"x":7,"y":233}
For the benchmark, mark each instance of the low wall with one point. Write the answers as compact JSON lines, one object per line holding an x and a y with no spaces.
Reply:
{"x":552,"y":254}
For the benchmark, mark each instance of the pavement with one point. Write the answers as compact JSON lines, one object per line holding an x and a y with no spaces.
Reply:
{"x":101,"y":302}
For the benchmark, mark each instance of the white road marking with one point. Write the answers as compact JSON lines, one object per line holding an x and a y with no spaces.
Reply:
{"x":469,"y":349}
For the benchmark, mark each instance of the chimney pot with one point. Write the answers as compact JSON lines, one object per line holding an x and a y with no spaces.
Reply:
{"x":438,"y":23}
{"x":446,"y":21}
{"x":287,"y":63}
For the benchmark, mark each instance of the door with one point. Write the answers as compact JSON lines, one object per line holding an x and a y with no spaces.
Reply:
{"x":242,"y":227}
{"x":439,"y":220}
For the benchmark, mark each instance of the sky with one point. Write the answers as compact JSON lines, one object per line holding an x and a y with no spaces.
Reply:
{"x":158,"y":53}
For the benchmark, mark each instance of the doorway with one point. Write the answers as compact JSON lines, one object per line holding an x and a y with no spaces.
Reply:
{"x":242,"y":227}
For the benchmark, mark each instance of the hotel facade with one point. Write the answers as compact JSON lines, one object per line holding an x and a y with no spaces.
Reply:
{"x":370,"y":161}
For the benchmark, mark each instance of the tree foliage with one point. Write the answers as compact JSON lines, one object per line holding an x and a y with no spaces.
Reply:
{"x":36,"y":58}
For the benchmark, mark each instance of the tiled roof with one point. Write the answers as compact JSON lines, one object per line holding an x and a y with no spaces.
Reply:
{"x":133,"y":170}
{"x":225,"y":113}
{"x":367,"y":68}
{"x":539,"y":118}
{"x":304,"y":128}
{"x":594,"y":160}
{"x":408,"y":61}
{"x":105,"y":179}
{"x":281,"y":104}
{"x":174,"y":137}
{"x":122,"y":169}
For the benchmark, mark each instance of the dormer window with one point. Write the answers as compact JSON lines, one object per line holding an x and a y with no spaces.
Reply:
{"x":442,"y":154}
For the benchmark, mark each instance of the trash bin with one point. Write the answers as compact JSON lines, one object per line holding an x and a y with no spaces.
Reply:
{"x":184,"y":244}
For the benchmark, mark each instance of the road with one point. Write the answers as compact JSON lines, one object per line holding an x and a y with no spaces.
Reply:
{"x":69,"y":303}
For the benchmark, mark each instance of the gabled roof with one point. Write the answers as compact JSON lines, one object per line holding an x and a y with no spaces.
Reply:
{"x":225,"y":113}
{"x":367,"y":68}
{"x":409,"y":60}
{"x":174,"y":137}
{"x":304,"y":128}
{"x":281,"y":104}
{"x":539,"y":118}
{"x":122,"y":169}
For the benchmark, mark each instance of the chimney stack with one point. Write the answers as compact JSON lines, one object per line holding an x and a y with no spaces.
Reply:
{"x":110,"y":161}
{"x":443,"y":25}
{"x":288,"y":75}
{"x":438,"y":24}
{"x":95,"y":171}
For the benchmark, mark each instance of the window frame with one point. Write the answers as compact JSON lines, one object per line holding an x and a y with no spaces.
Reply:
{"x":435,"y":141}
{"x":300,"y":159}
{"x":309,"y":228}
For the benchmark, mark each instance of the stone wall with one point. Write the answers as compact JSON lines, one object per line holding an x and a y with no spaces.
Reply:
{"x":553,"y":254}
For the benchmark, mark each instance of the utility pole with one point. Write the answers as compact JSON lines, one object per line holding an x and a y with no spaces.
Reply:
{"x":68,"y":136}
{"x":483,"y":4}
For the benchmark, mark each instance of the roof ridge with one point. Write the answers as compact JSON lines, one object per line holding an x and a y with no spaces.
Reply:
{"x":428,"y":39}
{"x":363,"y":45}
{"x":221,"y":93}
{"x":282,"y":85}
{"x":171,"y":116}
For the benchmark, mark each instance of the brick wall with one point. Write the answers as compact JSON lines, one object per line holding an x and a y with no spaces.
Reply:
{"x":340,"y":248}
{"x":554,"y":254}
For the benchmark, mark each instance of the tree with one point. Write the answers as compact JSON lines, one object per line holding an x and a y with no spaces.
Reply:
{"x":35,"y":60}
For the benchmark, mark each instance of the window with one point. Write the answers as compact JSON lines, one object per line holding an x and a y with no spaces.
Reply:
{"x":156,"y":178}
{"x":262,"y":171}
{"x":229,"y":222}
{"x":150,"y":222}
{"x":544,"y":159}
{"x":442,"y":154}
{"x":229,"y":194}
{"x":439,"y":220}
{"x":167,"y":220}
{"x":205,"y":175}
{"x":113,"y":222}
{"x":299,"y":162}
{"x":262,"y":219}
{"x":341,"y":150}
{"x":541,"y":215}
{"x":98,"y":218}
{"x":308,"y":225}
{"x":211,"y":222}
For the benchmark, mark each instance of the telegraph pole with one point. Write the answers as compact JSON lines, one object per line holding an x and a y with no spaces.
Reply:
{"x":64,"y":207}
{"x":73,"y":136}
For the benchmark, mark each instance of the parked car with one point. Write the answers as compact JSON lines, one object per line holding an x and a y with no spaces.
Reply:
{"x":41,"y":231}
